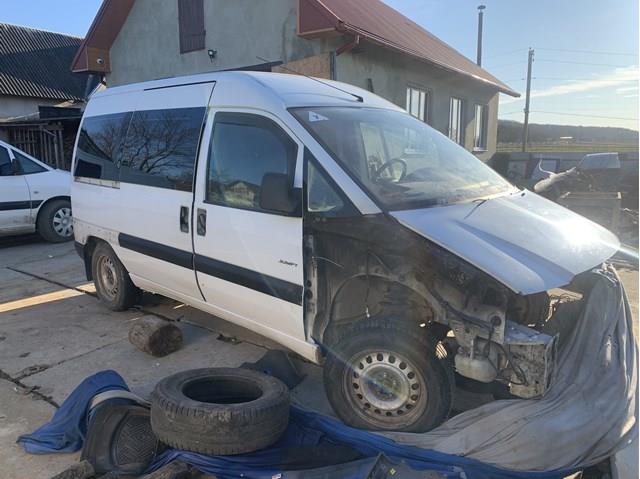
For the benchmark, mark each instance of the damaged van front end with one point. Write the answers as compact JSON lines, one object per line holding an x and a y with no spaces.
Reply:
{"x":530,"y":246}
{"x":455,"y":258}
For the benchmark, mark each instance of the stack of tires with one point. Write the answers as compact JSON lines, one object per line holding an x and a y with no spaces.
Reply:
{"x":219,"y":411}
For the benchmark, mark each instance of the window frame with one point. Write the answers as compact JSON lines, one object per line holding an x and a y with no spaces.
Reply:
{"x":425,"y":105}
{"x":484,"y":127}
{"x":460,"y":118}
{"x":293,"y":168}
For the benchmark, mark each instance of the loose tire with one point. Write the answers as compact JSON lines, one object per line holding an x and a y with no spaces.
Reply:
{"x":383,"y":375}
{"x":113,"y":285}
{"x":55,"y":223}
{"x":219,"y":411}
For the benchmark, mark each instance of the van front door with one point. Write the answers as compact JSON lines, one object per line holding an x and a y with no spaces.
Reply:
{"x":248,"y":258}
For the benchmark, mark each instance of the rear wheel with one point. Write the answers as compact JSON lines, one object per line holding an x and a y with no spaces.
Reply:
{"x":113,"y":285}
{"x":55,"y":223}
{"x":383,"y":376}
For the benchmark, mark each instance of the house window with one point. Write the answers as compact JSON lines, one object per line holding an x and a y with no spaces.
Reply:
{"x":417,"y":103}
{"x":191,"y":25}
{"x":455,"y":120}
{"x":480,"y":134}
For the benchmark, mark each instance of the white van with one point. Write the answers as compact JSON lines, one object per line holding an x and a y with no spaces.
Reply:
{"x":34,"y":197}
{"x":329,"y":220}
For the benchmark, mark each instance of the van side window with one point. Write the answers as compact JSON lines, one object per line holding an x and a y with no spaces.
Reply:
{"x":323,"y":197}
{"x":161,"y":146}
{"x":244,"y":149}
{"x":99,"y":144}
{"x":25,"y":165}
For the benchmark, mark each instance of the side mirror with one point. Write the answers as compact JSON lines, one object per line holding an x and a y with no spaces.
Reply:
{"x":277,"y":194}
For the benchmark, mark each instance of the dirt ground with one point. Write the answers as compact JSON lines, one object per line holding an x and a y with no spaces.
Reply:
{"x":54,"y":333}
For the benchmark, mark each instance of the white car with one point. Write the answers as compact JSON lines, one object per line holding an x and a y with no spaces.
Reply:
{"x":34,"y":197}
{"x":331,"y":221}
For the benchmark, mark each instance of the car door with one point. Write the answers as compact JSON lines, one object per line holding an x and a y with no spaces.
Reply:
{"x":249,"y":259}
{"x":15,"y":199}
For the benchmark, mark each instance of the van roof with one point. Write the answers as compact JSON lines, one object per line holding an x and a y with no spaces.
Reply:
{"x":289,"y":90}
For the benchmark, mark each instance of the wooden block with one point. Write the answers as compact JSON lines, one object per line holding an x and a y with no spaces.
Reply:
{"x":155,"y":336}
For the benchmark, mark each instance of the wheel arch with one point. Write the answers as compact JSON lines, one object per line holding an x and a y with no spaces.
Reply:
{"x":365,"y":295}
{"x":87,"y":253}
{"x":49,"y":201}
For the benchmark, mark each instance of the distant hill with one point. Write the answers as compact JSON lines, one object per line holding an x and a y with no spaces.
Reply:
{"x":511,"y":132}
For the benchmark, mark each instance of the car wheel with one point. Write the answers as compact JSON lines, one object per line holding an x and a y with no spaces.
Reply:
{"x":55,"y":223}
{"x":220,"y":411}
{"x":113,"y":285}
{"x":383,"y":376}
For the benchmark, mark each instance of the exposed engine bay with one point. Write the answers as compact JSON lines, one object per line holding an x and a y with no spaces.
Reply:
{"x":492,"y":333}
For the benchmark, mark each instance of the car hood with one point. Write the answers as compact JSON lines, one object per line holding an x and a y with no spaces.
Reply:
{"x":526,"y":242}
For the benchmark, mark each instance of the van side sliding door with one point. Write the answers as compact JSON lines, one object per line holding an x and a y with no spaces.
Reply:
{"x":248,"y":248}
{"x":148,"y":182}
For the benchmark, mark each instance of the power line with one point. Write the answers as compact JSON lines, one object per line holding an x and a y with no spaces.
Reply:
{"x":507,"y":53}
{"x":508,"y":65}
{"x":588,"y":51}
{"x":583,"y":63}
{"x":586,"y":116}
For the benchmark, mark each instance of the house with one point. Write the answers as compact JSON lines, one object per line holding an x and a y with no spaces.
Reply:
{"x":361,"y":42}
{"x":41,"y":100}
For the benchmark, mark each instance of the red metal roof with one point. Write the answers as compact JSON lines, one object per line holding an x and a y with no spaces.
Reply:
{"x":376,"y":22}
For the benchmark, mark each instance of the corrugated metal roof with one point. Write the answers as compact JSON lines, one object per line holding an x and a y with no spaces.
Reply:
{"x":35,"y":63}
{"x":379,"y":23}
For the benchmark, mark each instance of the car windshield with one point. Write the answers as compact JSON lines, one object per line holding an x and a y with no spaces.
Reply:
{"x":402,"y":162}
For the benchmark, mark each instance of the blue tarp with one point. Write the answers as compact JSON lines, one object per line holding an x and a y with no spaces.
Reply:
{"x":65,"y":433}
{"x":66,"y":430}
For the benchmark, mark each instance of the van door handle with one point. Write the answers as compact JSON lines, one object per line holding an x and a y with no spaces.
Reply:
{"x":184,"y":219}
{"x":202,"y":222}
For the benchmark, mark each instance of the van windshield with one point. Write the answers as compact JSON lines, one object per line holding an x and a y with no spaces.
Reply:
{"x":402,"y":162}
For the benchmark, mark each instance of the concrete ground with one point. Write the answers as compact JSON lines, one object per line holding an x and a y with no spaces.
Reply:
{"x":54,"y":333}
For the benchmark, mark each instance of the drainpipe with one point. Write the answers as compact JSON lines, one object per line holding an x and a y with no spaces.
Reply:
{"x":347,"y":47}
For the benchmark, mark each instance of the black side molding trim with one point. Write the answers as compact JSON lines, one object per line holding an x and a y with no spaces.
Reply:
{"x":156,"y":250}
{"x":275,"y":287}
{"x":19,"y":205}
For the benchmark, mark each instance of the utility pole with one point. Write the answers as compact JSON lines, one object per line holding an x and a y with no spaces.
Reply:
{"x":480,"y":22}
{"x":525,"y":129}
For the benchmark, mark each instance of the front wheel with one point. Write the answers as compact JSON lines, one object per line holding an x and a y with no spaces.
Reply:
{"x":383,"y":376}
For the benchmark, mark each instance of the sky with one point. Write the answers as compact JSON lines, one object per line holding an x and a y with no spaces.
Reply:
{"x":586,"y":51}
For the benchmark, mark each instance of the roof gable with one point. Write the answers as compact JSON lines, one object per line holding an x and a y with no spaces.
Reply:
{"x":35,"y":63}
{"x":377,"y":22}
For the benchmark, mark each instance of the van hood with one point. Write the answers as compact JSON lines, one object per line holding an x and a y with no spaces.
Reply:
{"x":526,"y":242}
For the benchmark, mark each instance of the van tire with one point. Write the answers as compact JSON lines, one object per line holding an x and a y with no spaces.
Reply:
{"x":50,"y":221}
{"x":386,"y":349}
{"x":188,"y":413}
{"x":113,"y":284}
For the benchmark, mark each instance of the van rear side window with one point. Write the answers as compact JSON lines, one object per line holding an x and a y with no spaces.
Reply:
{"x":160,"y":148}
{"x":99,"y":145}
{"x":151,"y":147}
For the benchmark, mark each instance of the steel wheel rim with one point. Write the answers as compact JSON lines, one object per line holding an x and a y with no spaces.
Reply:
{"x":63,"y":222}
{"x":385,"y":389}
{"x":108,"y":277}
